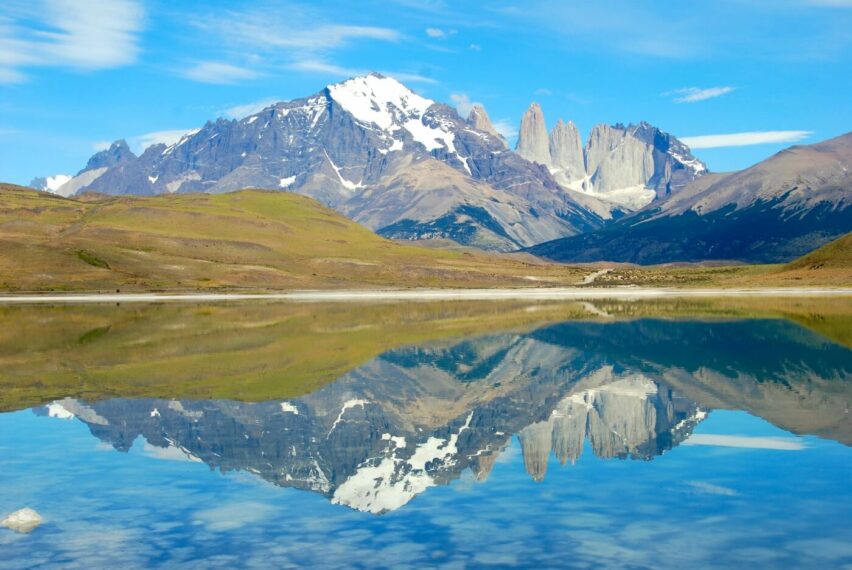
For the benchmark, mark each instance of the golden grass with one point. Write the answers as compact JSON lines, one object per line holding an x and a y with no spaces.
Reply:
{"x":251,"y":239}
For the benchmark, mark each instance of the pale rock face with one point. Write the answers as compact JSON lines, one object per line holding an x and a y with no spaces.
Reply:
{"x":479,"y":120}
{"x":533,"y":141}
{"x":566,"y":152}
{"x":626,"y":162}
{"x":23,"y":521}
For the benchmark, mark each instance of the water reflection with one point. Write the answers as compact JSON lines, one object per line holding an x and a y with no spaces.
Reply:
{"x":420,"y":416}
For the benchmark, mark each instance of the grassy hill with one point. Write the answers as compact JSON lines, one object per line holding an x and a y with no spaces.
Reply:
{"x":256,"y":240}
{"x":251,"y":239}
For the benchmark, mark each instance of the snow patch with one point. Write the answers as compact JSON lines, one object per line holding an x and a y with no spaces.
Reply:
{"x":287,"y":182}
{"x":289,"y":408}
{"x":346,"y":405}
{"x":390,"y":105}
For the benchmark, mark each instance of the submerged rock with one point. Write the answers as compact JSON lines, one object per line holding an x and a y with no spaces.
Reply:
{"x":24,"y":520}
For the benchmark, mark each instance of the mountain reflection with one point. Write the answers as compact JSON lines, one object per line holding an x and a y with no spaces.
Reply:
{"x":420,"y":416}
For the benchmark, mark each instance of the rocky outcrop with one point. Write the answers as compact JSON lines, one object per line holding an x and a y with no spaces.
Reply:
{"x":566,"y":153}
{"x":479,"y":120}
{"x":533,"y":141}
{"x":627,"y":167}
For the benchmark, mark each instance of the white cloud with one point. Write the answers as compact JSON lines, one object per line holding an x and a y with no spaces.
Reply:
{"x":475,"y":47}
{"x":218,"y":72}
{"x":711,"y":489}
{"x":319,"y":66}
{"x":745,"y":139}
{"x":746,"y":442}
{"x":240,"y":111}
{"x":234,"y":515}
{"x":78,"y":34}
{"x":506,"y":128}
{"x":439,"y":34}
{"x":543,"y":91}
{"x":279,"y":34}
{"x":695,"y":94}
{"x":410,"y":77}
{"x":98,"y":146}
{"x":463,"y":103}
{"x":141,"y":142}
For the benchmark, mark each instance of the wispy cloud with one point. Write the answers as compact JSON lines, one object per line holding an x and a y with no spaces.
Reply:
{"x":745,"y":139}
{"x":543,"y":91}
{"x":218,"y":72}
{"x":278,"y":35}
{"x":324,"y":67}
{"x":695,"y":94}
{"x":475,"y":47}
{"x":711,"y":489}
{"x":246,"y":109}
{"x":463,"y":103}
{"x":505,"y":127}
{"x":141,"y":142}
{"x":439,"y":34}
{"x":746,"y":442}
{"x":77,"y":34}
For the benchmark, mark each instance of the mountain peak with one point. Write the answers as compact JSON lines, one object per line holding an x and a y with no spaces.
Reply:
{"x":532,"y":138}
{"x":117,"y":153}
{"x":479,"y":120}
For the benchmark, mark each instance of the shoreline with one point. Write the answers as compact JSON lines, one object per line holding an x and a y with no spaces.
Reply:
{"x":373,"y":295}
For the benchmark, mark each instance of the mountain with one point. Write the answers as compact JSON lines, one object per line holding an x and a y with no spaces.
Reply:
{"x":626,"y":167}
{"x":366,"y":147}
{"x":775,"y":211}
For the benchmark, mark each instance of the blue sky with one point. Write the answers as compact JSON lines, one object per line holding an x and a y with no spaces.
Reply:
{"x":76,"y":74}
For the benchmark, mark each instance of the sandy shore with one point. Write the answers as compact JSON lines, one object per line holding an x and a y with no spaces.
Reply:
{"x":525,"y":294}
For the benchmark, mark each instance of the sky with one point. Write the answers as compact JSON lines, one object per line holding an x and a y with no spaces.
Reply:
{"x":737,"y":79}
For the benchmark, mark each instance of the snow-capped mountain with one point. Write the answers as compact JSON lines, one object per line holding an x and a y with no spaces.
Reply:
{"x":775,"y":211}
{"x":627,"y":167}
{"x":404,"y":165}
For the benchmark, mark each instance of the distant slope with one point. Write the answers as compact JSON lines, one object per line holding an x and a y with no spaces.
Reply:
{"x":247,"y":239}
{"x":773,"y":212}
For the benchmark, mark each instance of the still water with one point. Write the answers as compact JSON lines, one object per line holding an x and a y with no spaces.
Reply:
{"x":202,"y":437}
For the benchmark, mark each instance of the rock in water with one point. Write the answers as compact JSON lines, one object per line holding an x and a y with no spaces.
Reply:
{"x":24,"y":520}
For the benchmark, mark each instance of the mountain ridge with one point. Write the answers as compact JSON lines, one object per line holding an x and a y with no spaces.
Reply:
{"x":779,"y":209}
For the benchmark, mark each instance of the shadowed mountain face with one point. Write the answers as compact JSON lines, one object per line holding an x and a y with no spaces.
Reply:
{"x":419,"y":416}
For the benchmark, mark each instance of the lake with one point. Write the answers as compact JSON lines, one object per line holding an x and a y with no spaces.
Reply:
{"x":442,"y":435}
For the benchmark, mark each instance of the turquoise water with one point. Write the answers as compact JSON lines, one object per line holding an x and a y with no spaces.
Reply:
{"x":643,"y":444}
